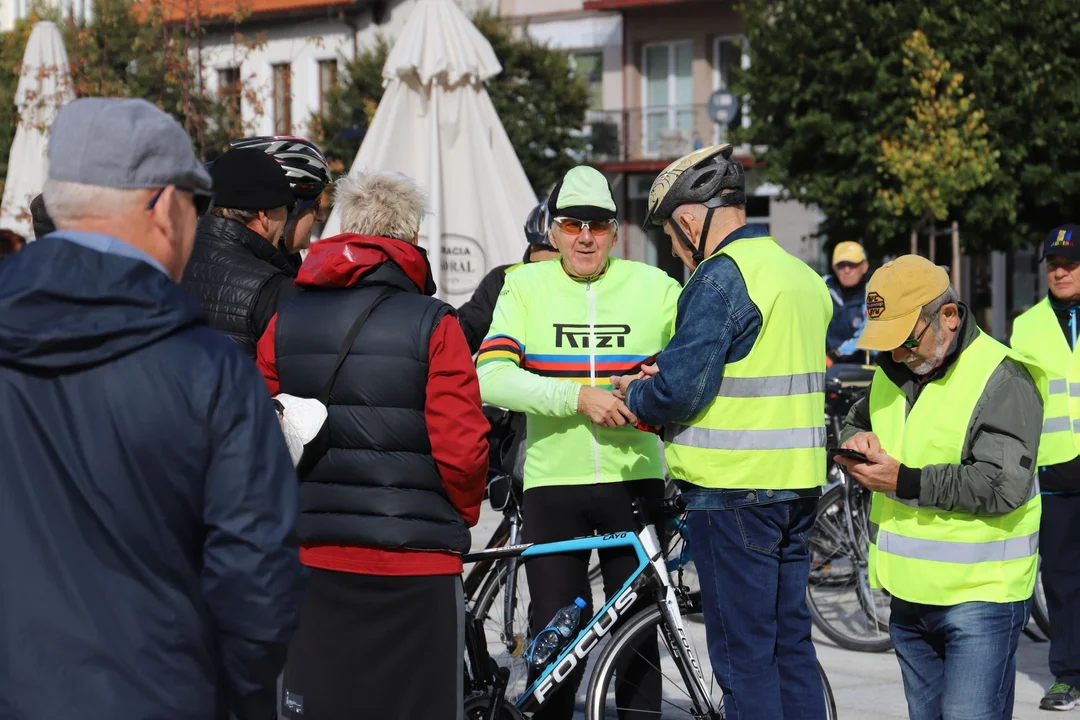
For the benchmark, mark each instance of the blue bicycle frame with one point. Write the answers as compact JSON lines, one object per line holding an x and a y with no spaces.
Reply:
{"x":651,"y":572}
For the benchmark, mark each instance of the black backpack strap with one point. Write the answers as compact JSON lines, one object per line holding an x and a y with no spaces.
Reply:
{"x":347,"y":343}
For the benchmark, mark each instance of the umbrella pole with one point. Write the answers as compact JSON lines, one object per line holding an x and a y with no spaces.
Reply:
{"x":435,"y":185}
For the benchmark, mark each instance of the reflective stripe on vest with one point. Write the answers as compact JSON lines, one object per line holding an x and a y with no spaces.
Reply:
{"x":765,"y":429}
{"x":1037,"y":336}
{"x":772,"y":386}
{"x":935,"y":556}
{"x":961,"y":553}
{"x":793,"y":438}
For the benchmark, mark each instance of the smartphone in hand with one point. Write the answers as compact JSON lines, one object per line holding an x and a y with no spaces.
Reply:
{"x":846,"y":453}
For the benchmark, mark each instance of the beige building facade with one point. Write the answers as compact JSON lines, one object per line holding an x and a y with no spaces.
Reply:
{"x":653,"y":66}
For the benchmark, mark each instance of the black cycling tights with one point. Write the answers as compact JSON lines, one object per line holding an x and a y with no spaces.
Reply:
{"x":568,"y":511}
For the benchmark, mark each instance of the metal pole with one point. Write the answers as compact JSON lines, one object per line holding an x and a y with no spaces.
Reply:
{"x":998,"y":294}
{"x":956,"y":256}
{"x":435,"y":228}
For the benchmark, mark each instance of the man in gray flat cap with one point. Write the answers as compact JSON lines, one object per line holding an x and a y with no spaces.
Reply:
{"x":147,"y":498}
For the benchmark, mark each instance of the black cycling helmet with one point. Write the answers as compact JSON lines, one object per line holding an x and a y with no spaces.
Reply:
{"x":537,"y":224}
{"x":699,"y":178}
{"x":304,"y":163}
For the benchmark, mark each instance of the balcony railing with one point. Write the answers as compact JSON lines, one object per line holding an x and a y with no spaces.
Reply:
{"x":650,"y":133}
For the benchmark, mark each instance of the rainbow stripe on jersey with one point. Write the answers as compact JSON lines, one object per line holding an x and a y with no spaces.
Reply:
{"x":576,"y":367}
{"x":500,"y":347}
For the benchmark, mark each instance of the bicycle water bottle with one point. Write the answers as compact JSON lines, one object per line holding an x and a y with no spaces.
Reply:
{"x":557,"y":633}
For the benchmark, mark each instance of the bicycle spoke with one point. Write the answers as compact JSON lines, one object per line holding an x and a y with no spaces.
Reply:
{"x":661,"y":673}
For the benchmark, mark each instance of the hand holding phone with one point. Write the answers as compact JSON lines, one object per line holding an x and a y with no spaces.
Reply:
{"x":847,"y":453}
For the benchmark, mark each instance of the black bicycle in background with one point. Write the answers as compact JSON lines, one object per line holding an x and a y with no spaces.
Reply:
{"x":844,"y":606}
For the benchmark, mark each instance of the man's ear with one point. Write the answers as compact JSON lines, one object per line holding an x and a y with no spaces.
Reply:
{"x":686,"y":224}
{"x":952,"y":316}
{"x":167,"y":212}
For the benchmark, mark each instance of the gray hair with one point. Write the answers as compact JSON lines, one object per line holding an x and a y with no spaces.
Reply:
{"x":381,"y":204}
{"x":931,"y":310}
{"x":243,"y":217}
{"x":70,"y":202}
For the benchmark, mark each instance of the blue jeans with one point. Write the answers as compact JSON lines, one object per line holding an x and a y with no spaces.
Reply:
{"x":753,"y":563}
{"x":958,"y":662}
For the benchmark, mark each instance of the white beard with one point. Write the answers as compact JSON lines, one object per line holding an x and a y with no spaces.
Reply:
{"x":926,"y":366}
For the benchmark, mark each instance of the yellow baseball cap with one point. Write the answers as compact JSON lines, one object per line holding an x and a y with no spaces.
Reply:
{"x":848,"y":251}
{"x":895,"y":295}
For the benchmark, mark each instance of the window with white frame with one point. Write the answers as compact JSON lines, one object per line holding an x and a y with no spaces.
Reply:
{"x":667,"y":97}
{"x":728,"y":56}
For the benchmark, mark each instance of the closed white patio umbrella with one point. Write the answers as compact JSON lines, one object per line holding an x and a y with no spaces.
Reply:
{"x":436,"y":124}
{"x":44,"y":87}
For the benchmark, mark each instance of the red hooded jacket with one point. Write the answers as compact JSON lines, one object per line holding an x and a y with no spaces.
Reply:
{"x":456,"y":426}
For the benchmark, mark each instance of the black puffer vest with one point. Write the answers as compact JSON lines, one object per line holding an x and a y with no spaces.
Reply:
{"x":378,"y":485}
{"x":229,"y":265}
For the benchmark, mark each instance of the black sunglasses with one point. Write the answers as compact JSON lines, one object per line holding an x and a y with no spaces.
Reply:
{"x":912,"y":343}
{"x":203,"y":200}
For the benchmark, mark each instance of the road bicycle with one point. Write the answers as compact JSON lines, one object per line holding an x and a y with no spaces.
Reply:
{"x":498,"y":594}
{"x":615,"y":633}
{"x":843,"y":605}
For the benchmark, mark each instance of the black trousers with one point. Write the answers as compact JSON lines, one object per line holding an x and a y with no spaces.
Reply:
{"x":384,"y":648}
{"x":564,"y":512}
{"x":1059,"y":546}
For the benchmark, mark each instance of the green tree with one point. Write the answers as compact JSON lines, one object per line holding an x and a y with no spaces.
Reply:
{"x":540,"y":102}
{"x":943,"y":153}
{"x":826,"y":81}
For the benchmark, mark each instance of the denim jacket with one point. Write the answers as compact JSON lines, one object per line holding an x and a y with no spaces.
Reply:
{"x":717,"y":323}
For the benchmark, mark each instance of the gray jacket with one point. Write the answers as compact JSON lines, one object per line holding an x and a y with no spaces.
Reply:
{"x":997,"y":469}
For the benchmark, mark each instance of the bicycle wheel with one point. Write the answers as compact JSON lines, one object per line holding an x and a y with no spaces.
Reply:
{"x":1039,"y":613}
{"x":676,"y":701}
{"x":843,"y":605}
{"x":490,"y":609}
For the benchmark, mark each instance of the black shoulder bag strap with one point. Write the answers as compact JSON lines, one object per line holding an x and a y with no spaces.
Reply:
{"x":320,"y":444}
{"x":347,"y":343}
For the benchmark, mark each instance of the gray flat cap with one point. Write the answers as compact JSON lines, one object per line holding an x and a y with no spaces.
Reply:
{"x":122,"y":143}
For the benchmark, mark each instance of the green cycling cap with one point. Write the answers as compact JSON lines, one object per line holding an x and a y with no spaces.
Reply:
{"x":583,"y":194}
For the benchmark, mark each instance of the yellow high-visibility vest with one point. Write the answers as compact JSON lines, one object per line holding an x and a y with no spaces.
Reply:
{"x":765,"y":429}
{"x":940,"y":557}
{"x":1038,"y":337}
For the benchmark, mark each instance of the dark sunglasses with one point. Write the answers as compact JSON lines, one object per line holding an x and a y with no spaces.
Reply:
{"x":847,"y":265}
{"x":203,"y":200}
{"x":912,"y":343}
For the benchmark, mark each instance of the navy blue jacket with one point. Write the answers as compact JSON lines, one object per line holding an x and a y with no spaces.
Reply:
{"x":147,"y":500}
{"x":849,"y":316}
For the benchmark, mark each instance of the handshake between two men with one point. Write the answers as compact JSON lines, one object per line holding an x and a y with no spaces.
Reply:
{"x":607,"y":408}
